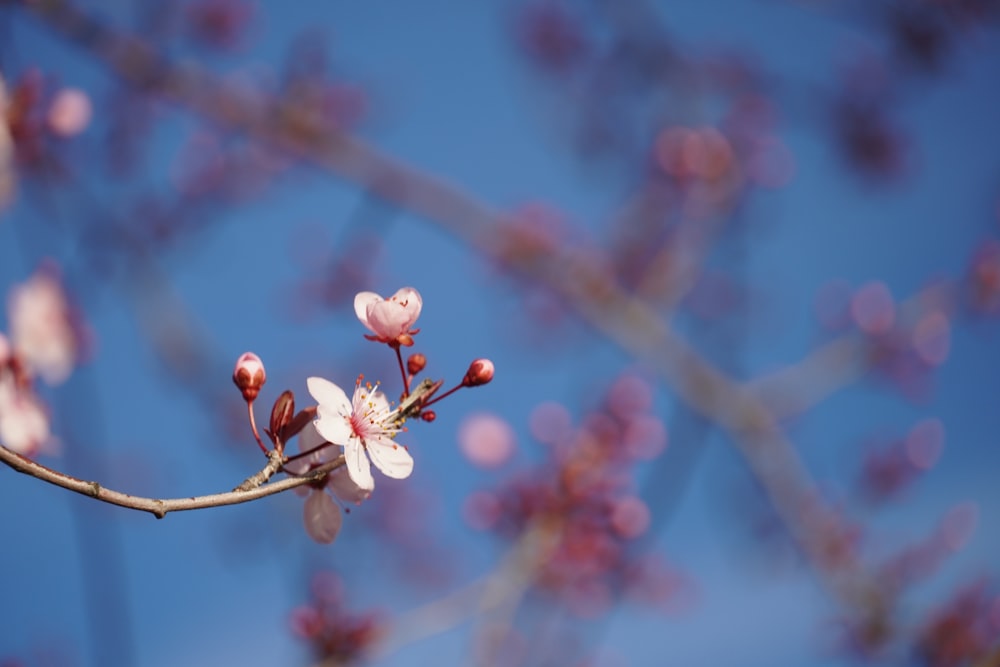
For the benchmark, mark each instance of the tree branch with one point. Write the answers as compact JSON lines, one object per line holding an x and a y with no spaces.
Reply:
{"x":155,"y":506}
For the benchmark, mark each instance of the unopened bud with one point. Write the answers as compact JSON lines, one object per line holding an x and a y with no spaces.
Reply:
{"x":249,"y":375}
{"x":428,"y":416}
{"x":480,"y":372}
{"x":282,"y":413}
{"x":416,"y":363}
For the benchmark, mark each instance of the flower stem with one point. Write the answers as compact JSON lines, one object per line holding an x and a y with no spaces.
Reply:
{"x":253,"y":425}
{"x":402,"y":371}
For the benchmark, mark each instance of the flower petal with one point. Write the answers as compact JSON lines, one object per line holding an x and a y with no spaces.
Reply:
{"x":411,"y":301}
{"x":344,"y":488}
{"x":333,"y":427}
{"x":309,"y":438}
{"x":357,"y":464}
{"x":390,"y":457}
{"x":328,"y":395}
{"x":322,"y":517}
{"x":361,"y":303}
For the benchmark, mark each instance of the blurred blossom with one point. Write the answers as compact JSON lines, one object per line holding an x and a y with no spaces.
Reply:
{"x":70,"y":112}
{"x":334,"y":634}
{"x":219,"y":24}
{"x":687,"y":153}
{"x":873,"y":309}
{"x":630,"y":517}
{"x":629,"y":396}
{"x":921,"y":34}
{"x":486,"y":440}
{"x":551,"y":36}
{"x":550,"y":422}
{"x":959,"y":524}
{"x":888,"y":470}
{"x":924,"y":443}
{"x":583,"y":493}
{"x":932,"y":338}
{"x":24,"y":424}
{"x":7,"y":181}
{"x":982,"y":279}
{"x":870,"y":140}
{"x":42,"y":328}
{"x":959,"y":632}
{"x":481,"y":510}
{"x":645,"y":437}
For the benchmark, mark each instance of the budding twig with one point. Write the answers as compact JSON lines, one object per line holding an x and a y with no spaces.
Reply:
{"x":160,"y":507}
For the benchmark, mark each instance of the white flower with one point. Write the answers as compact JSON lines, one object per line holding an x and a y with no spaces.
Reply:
{"x":363,"y":425}
{"x":321,"y":515}
{"x":41,"y":328}
{"x":24,"y":426}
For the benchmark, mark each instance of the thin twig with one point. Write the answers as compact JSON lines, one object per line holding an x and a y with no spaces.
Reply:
{"x":155,"y":506}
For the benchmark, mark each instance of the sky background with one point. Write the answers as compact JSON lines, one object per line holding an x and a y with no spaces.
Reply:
{"x":450,"y":94}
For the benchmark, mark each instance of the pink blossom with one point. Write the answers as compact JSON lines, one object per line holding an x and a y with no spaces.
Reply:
{"x":486,"y":440}
{"x":6,"y":152}
{"x":70,"y":112}
{"x":364,"y":426}
{"x":24,"y":425}
{"x":41,"y":328}
{"x":392,"y":319}
{"x":321,"y":514}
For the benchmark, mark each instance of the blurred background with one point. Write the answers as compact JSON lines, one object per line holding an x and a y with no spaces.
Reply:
{"x":737,"y":265}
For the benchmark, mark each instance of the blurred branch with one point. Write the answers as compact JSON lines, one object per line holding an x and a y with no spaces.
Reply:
{"x":832,"y":366}
{"x":160,"y":507}
{"x":504,"y":587}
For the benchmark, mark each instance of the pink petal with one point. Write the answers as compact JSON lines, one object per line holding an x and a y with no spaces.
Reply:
{"x":361,"y":302}
{"x":328,"y":395}
{"x":357,"y":464}
{"x":342,"y":486}
{"x":390,"y":457}
{"x":333,"y":427}
{"x":413,"y":303}
{"x":309,"y":438}
{"x":395,"y":316}
{"x":322,"y":517}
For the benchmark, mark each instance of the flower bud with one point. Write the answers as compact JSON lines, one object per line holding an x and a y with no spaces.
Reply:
{"x":249,"y":375}
{"x":282,"y":413}
{"x":428,"y":416}
{"x":480,"y":372}
{"x":416,"y":363}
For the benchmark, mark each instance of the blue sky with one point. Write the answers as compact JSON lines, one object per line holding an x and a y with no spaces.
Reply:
{"x":451,"y":96}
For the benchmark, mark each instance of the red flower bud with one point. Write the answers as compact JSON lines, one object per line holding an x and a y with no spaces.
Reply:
{"x":249,"y":375}
{"x":480,"y":372}
{"x":416,"y":363}
{"x":428,"y":416}
{"x":282,"y":413}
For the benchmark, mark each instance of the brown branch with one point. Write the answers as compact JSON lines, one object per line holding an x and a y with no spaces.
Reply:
{"x":155,"y":506}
